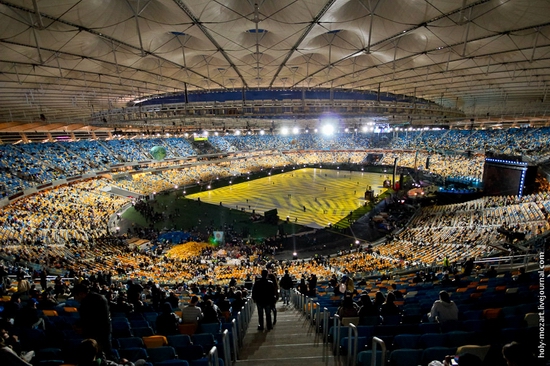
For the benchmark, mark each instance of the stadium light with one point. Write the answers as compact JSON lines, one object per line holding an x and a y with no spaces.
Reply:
{"x":364,"y":128}
{"x":327,"y":130}
{"x":284,"y":131}
{"x":237,"y":132}
{"x":262,"y":132}
{"x":295,"y":130}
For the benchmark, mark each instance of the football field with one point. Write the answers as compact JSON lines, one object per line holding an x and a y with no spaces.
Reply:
{"x":312,"y":197}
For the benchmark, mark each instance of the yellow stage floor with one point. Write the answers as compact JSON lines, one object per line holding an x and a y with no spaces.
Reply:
{"x":327,"y":195}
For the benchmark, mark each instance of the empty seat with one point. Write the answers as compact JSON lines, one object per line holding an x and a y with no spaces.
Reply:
{"x":143,"y":332}
{"x":432,"y":340}
{"x":406,"y":357}
{"x":364,"y":358}
{"x":130,"y":342}
{"x":460,"y":338}
{"x":160,"y":354}
{"x":134,"y":353}
{"x":179,"y":340}
{"x":406,"y":341}
{"x":155,"y":341}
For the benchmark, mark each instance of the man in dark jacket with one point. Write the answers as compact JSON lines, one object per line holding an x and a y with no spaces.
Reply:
{"x":263,"y":294}
{"x":286,"y":284}
{"x":95,"y":318}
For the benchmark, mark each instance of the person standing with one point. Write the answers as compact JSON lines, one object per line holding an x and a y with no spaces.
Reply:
{"x":95,"y":318}
{"x":263,"y":295}
{"x":286,"y":285}
{"x":273,"y":279}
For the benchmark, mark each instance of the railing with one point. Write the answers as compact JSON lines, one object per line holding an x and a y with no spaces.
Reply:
{"x":326,"y":318}
{"x":353,"y":345}
{"x":236,"y":339}
{"x":226,"y":346}
{"x":375,"y":342}
{"x":336,"y":338}
{"x":317,"y":316}
{"x":213,"y":359}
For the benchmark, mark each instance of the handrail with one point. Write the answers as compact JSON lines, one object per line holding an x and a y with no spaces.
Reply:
{"x":317,"y":316}
{"x":375,"y":342}
{"x":353,"y":346}
{"x":336,"y":339}
{"x":311,"y":309}
{"x":326,"y":317}
{"x":226,"y":347}
{"x":213,"y":357}
{"x":235,"y":339}
{"x":240,"y":334}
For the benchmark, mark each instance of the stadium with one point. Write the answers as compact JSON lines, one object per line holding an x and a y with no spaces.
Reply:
{"x":156,"y":151}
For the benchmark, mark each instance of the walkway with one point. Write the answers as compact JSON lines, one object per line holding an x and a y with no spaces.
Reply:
{"x":291,"y":342}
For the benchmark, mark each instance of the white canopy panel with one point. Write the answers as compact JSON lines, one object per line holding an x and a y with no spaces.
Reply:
{"x":69,"y":58}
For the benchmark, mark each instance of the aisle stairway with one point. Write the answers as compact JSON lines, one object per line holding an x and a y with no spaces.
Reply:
{"x":291,"y":342}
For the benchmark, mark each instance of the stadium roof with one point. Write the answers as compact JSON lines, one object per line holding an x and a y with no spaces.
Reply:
{"x":66,"y":59}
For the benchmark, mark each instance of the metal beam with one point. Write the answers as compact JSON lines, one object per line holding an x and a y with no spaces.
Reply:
{"x":196,"y":21}
{"x":315,"y":20}
{"x":96,"y":33}
{"x":398,"y":35}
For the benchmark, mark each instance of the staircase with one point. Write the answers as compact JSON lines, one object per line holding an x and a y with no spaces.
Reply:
{"x":292,"y":341}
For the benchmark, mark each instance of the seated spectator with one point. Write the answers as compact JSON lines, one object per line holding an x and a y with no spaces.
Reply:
{"x":191,"y":314}
{"x":467,"y":359}
{"x":302,"y":286}
{"x":379,"y":299}
{"x":211,"y":313}
{"x":367,"y":308}
{"x":516,"y":354}
{"x":167,"y":321}
{"x":28,"y":316}
{"x":89,"y":355}
{"x":389,"y":308}
{"x":10,"y":349}
{"x":238,"y":302}
{"x":348,"y":308}
{"x":443,"y":309}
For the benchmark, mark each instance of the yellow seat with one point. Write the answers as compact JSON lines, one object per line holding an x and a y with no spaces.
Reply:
{"x":155,"y":341}
{"x":70,"y":309}
{"x":49,"y":312}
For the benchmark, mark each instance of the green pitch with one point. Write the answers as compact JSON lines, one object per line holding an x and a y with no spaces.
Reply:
{"x":311,"y":197}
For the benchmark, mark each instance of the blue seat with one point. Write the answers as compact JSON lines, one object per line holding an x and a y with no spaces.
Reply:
{"x":190,"y":352}
{"x":212,"y":328}
{"x":406,"y":341}
{"x":364,"y":358}
{"x":143,"y":332}
{"x":432,"y":340}
{"x":172,"y":363}
{"x":429,"y":328}
{"x":461,"y":338}
{"x":133,"y":354}
{"x":206,"y":340}
{"x":160,"y":354}
{"x":178,"y":340}
{"x":406,"y":357}
{"x":204,"y":362}
{"x":130,"y":342}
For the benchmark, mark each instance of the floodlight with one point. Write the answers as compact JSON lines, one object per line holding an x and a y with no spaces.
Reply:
{"x":327,"y":130}
{"x":284,"y":131}
{"x":295,"y":130}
